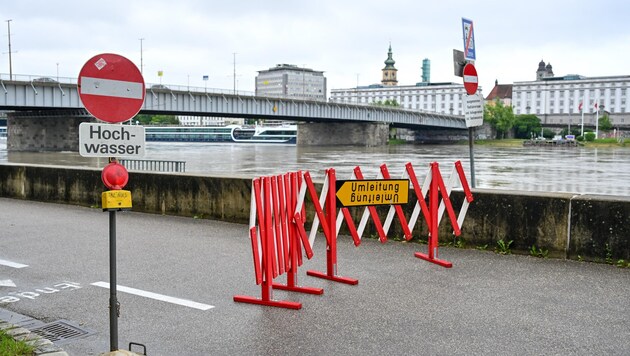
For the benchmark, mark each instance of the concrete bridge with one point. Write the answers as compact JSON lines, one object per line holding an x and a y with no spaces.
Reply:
{"x":47,"y":112}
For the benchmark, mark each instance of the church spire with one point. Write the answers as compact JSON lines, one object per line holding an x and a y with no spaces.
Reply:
{"x":389,"y":72}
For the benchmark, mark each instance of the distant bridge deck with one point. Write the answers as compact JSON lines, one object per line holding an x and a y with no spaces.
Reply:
{"x":44,"y":93}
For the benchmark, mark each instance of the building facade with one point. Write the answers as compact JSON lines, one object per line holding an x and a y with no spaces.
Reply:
{"x":445,"y":98}
{"x":562,"y":100}
{"x":291,"y":81}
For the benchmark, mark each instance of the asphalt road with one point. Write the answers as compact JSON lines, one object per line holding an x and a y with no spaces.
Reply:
{"x":485,"y":304}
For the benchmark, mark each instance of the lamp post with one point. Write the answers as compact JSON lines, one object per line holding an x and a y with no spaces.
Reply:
{"x":10,"y":63}
{"x":141,"y":59}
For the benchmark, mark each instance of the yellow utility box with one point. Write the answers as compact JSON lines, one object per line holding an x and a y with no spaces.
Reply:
{"x":116,"y":199}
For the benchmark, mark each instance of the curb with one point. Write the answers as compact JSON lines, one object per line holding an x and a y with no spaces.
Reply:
{"x":42,"y":346}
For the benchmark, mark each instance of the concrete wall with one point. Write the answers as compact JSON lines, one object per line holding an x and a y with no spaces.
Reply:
{"x":342,"y":134}
{"x":45,"y":131}
{"x":568,"y":226}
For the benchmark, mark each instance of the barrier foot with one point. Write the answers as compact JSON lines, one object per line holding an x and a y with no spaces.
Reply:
{"x":339,"y":279}
{"x":307,"y":290}
{"x":426,"y":257}
{"x":269,"y":303}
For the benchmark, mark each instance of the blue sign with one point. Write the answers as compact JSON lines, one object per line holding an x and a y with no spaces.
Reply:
{"x":469,"y":39}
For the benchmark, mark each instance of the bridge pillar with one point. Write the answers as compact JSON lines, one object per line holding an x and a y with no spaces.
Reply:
{"x":45,"y":130}
{"x":342,"y":134}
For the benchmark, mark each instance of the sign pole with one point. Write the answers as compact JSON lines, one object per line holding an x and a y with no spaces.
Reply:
{"x":114,"y":307}
{"x":471,"y":135}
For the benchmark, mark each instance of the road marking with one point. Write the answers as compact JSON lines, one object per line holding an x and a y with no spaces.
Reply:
{"x":12,"y":264}
{"x":7,"y":283}
{"x":164,"y":298}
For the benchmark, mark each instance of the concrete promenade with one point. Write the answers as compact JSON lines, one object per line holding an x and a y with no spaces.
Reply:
{"x":179,"y":276}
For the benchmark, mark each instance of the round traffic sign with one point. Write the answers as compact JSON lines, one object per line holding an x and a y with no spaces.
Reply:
{"x":115,"y":176}
{"x":111,"y":87}
{"x":471,"y":82}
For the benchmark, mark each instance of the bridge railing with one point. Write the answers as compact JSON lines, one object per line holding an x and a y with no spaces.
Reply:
{"x":153,"y":165}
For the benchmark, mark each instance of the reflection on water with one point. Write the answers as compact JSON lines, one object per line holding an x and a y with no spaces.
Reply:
{"x":574,"y":170}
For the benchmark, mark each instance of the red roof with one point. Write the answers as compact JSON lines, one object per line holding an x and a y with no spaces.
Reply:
{"x":500,"y":91}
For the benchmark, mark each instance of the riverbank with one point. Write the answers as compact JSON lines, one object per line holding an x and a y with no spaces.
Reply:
{"x":518,"y":142}
{"x":565,"y":225}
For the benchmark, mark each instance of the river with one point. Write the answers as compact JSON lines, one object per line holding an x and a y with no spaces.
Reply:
{"x":574,"y":170}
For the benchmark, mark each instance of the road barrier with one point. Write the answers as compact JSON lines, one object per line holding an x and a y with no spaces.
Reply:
{"x":277,"y":234}
{"x":277,"y":223}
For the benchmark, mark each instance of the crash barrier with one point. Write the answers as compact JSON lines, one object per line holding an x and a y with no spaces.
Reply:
{"x":278,"y":236}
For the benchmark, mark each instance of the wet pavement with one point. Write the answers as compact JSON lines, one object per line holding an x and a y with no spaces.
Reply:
{"x":486,"y":304}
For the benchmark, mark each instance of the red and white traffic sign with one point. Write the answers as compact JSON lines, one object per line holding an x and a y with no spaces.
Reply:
{"x":111,"y":88}
{"x":471,"y":82}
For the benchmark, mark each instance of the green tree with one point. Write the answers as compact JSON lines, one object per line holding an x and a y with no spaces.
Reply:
{"x":499,"y":116}
{"x":548,"y":133}
{"x":387,"y":102}
{"x":144,"y":119}
{"x":589,"y":136}
{"x":604,"y":123}
{"x":525,"y":124}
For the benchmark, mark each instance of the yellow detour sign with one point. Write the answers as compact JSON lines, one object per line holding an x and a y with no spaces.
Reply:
{"x":116,"y":199}
{"x":372,"y":192}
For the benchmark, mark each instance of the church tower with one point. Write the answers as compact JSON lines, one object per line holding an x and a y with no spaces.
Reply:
{"x":389,"y":72}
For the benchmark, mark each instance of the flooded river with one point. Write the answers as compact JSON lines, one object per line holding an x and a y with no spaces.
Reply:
{"x":573,"y":170}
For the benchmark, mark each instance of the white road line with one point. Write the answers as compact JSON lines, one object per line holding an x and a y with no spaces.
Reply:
{"x":7,"y":283}
{"x":164,"y":298}
{"x":12,"y":264}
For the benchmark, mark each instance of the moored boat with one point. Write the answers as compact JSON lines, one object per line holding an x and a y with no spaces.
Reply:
{"x":286,"y":134}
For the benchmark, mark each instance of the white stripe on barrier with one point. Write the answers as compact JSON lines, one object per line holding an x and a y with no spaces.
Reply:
{"x":462,"y":213}
{"x":449,"y":187}
{"x":417,"y":209}
{"x":322,"y":203}
{"x":252,"y":220}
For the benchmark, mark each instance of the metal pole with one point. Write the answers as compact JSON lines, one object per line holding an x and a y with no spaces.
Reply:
{"x":141,"y":59}
{"x":472,"y":156}
{"x":10,"y":63}
{"x":113,"y":301}
{"x":234,"y":71}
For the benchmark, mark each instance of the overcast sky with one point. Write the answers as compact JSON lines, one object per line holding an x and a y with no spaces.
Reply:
{"x":347,"y":39}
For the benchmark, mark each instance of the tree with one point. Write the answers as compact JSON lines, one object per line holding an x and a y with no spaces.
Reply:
{"x":604,"y":123}
{"x":525,"y":124}
{"x":589,"y":136}
{"x":387,"y":102}
{"x":499,"y":116}
{"x":144,"y":119}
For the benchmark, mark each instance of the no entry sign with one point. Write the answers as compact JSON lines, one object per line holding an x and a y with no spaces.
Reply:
{"x":471,"y":82}
{"x":111,"y":88}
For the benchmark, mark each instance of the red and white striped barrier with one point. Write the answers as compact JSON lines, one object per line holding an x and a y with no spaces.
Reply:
{"x":434,"y":186}
{"x":278,"y":237}
{"x":328,"y":200}
{"x":437,"y":188}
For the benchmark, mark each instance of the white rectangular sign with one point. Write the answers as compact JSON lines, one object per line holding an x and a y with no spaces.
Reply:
{"x":111,"y":140}
{"x":473,"y":110}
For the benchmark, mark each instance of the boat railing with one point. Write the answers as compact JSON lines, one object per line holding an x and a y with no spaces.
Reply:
{"x":153,"y":165}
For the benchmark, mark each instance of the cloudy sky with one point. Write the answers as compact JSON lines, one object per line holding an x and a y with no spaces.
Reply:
{"x":347,"y":39}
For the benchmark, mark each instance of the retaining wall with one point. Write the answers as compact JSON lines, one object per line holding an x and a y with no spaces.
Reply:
{"x":567,"y":225}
